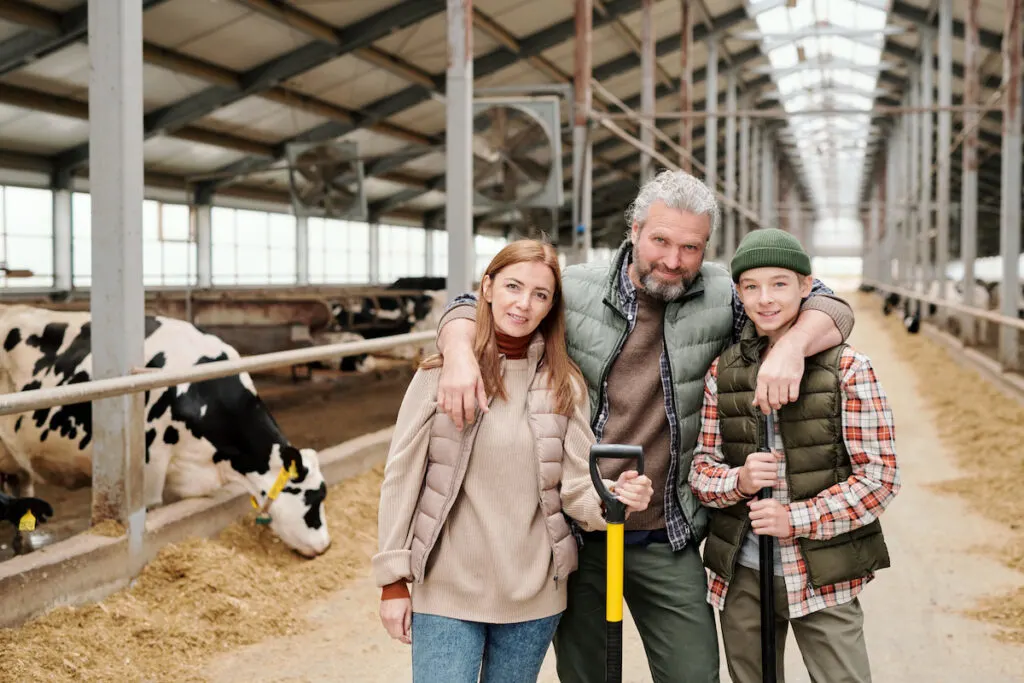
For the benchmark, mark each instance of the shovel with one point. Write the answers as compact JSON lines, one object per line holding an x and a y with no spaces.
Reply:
{"x":767,"y":562}
{"x":615,"y":513}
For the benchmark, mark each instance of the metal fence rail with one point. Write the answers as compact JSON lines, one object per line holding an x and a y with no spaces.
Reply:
{"x":157,"y":379}
{"x":959,"y":308}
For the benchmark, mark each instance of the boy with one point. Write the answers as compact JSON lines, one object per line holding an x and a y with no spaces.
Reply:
{"x":832,"y":474}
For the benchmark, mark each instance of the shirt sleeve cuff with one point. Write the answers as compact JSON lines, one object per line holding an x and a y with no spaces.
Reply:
{"x":731,"y":488}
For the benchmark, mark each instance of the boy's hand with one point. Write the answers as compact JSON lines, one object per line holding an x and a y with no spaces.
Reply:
{"x":634,"y":491}
{"x":769,"y":517}
{"x":760,"y":470}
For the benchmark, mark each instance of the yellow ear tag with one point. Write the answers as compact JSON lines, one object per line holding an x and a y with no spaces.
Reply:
{"x":28,"y":522}
{"x":252,"y":499}
{"x":292,"y":472}
{"x":282,"y":479}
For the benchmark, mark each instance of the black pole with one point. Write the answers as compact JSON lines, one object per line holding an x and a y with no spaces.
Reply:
{"x":767,"y":552}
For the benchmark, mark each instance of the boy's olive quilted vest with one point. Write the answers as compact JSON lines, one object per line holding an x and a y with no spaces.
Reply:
{"x":697,"y":329}
{"x":816,"y":459}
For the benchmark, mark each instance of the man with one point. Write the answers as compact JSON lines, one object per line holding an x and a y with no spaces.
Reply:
{"x":644,"y":330}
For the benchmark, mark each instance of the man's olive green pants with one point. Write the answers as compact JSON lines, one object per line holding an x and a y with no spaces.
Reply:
{"x":666,"y":593}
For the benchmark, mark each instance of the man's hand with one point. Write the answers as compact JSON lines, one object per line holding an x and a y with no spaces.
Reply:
{"x":769,"y":517}
{"x":761,"y":469}
{"x":396,"y":615}
{"x":461,"y":388}
{"x":778,"y":380}
{"x":634,"y":491}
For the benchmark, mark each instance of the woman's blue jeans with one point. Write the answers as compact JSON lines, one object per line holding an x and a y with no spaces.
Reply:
{"x":448,"y":650}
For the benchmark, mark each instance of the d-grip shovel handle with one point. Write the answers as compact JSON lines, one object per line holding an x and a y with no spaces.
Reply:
{"x":615,"y":510}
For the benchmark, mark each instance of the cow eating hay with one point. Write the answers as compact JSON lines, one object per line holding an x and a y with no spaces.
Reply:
{"x":199,"y":437}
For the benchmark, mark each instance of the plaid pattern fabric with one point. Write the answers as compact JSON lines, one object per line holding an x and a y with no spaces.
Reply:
{"x":869,"y":436}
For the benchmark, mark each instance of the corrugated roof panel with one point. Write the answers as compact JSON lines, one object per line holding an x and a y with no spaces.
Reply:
{"x":31,"y":131}
{"x":353,"y":83}
{"x":372,"y":144}
{"x":260,"y":119}
{"x":426,"y":202}
{"x":57,"y":5}
{"x":245,"y":43}
{"x":427,"y":117}
{"x":9,"y":30}
{"x":606,"y":45}
{"x":430,"y":164}
{"x":377,"y":189}
{"x":526,"y":17}
{"x":170,"y":155}
{"x":66,"y":69}
{"x":425,"y":44}
{"x":174,"y":24}
{"x":340,"y":13}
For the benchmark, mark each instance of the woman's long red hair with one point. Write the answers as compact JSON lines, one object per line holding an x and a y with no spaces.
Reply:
{"x":562,"y":372}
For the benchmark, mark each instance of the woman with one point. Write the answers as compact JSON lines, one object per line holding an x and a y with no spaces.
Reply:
{"x":474,"y":518}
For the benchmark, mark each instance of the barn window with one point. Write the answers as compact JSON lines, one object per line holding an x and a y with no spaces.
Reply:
{"x":339,"y":251}
{"x":252,"y":247}
{"x":26,"y":235}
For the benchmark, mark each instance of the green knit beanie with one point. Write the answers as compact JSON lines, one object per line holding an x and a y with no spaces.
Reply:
{"x":770,"y":248}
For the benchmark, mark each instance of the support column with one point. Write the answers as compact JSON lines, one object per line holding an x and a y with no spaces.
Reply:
{"x":62,"y":230}
{"x":729,"y":242}
{"x":116,"y":296}
{"x":582,"y":147}
{"x":686,"y":85}
{"x":767,"y":181}
{"x":1009,"y":228}
{"x":302,"y":250}
{"x":458,"y":149}
{"x":882,"y":254}
{"x":913,"y":161}
{"x":373,"y":231}
{"x":744,"y":199}
{"x":755,"y":173}
{"x":868,"y":265}
{"x":969,"y":172}
{"x":945,"y":139}
{"x":793,"y":212}
{"x":711,"y":124}
{"x":647,"y":87}
{"x":428,"y":251}
{"x":204,"y":244}
{"x":925,"y":217}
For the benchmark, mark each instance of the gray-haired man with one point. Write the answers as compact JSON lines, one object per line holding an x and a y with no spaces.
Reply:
{"x":644,"y":330}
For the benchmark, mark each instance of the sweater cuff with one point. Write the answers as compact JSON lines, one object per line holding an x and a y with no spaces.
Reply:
{"x":459,"y":312}
{"x":835,"y":308}
{"x":395,"y":591}
{"x":392,"y":566}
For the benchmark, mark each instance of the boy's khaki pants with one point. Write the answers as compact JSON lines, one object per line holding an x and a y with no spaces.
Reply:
{"x":831,"y":641}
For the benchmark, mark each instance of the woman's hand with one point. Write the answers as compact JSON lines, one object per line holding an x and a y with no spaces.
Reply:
{"x":634,"y":490}
{"x":396,"y":615}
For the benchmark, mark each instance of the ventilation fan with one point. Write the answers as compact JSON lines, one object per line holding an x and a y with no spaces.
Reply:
{"x":517,"y":150}
{"x":326,"y":180}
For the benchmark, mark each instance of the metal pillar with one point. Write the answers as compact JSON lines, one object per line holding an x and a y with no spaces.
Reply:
{"x":711,"y":124}
{"x":913,"y":157}
{"x":894,"y":193}
{"x":203,"y":215}
{"x":945,"y":138}
{"x":458,"y":210}
{"x":301,"y":250}
{"x":744,"y":225}
{"x":767,"y":181}
{"x":969,"y":172}
{"x":647,"y":87}
{"x":116,"y":296}
{"x":1010,"y":226}
{"x":373,"y":232}
{"x":755,"y":172}
{"x":729,"y":238}
{"x":868,"y":266}
{"x":62,"y":266}
{"x":882,"y":254}
{"x":582,"y":148}
{"x":685,"y":86}
{"x":428,"y":251}
{"x":925,"y":220}
{"x":793,"y":211}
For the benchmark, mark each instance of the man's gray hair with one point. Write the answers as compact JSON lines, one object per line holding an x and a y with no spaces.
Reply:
{"x":677,"y":190}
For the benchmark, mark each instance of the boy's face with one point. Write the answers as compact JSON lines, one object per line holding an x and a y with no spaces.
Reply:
{"x":771,"y":297}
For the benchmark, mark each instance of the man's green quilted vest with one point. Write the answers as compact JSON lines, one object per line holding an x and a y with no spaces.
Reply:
{"x":816,"y":459}
{"x":697,"y":329}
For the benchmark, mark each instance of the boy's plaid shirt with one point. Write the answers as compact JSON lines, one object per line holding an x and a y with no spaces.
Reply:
{"x":868,"y":432}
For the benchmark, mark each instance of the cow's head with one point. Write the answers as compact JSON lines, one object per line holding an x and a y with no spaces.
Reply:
{"x":297,"y":515}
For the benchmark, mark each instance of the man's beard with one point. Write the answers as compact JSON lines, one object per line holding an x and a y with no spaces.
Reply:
{"x":656,"y":288}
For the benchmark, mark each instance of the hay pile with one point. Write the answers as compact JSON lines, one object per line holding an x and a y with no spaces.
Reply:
{"x":197,"y":599}
{"x":985,"y":431}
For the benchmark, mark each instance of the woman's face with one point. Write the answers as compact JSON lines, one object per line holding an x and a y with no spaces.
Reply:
{"x":520,"y":296}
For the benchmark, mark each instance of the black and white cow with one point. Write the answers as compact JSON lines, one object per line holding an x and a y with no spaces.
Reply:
{"x":199,"y":437}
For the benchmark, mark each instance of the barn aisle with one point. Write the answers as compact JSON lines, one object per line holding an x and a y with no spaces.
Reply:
{"x":915,"y":627}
